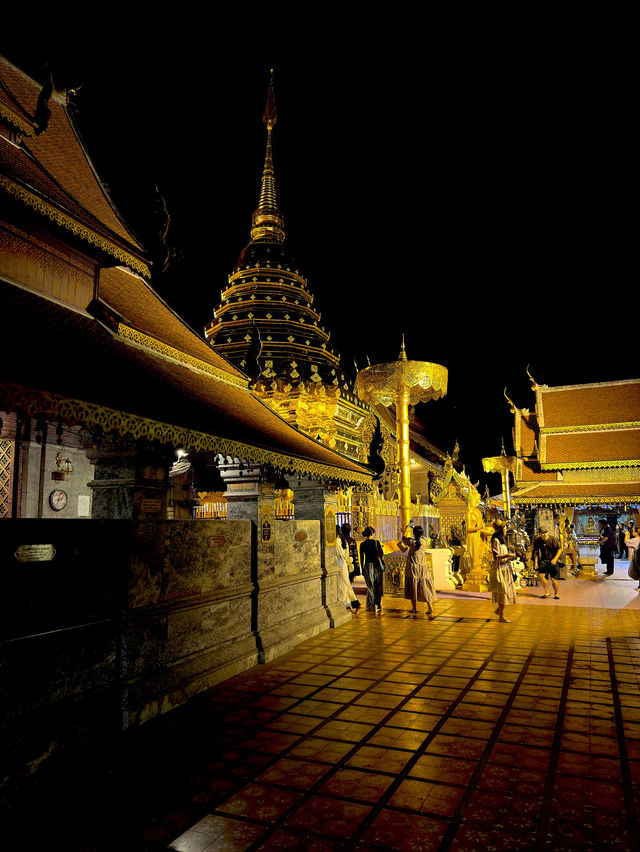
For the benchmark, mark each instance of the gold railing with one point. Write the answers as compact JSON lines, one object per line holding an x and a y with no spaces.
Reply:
{"x":213,"y":505}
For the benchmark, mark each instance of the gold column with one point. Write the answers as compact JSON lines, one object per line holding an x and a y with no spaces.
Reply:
{"x":402,"y":383}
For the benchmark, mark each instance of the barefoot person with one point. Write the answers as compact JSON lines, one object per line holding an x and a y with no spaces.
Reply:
{"x":501,"y":586}
{"x":546,"y":552}
{"x":418,"y":574}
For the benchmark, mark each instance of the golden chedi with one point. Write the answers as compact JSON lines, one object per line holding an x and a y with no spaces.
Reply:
{"x":266,"y":325}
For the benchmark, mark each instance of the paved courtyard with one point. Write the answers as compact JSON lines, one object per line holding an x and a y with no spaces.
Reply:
{"x":390,"y":732}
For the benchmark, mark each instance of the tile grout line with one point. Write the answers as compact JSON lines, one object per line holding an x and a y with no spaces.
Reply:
{"x":625,"y":770}
{"x":472,"y":785}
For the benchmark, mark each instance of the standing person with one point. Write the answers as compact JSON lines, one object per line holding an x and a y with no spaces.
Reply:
{"x":546,"y":552}
{"x":352,"y":546}
{"x":371,"y":557}
{"x":607,"y":544}
{"x":344,"y":590}
{"x":418,"y":574}
{"x":623,"y":535}
{"x":633,"y":543}
{"x":501,"y":585}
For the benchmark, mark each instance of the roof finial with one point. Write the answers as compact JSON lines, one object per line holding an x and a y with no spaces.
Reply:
{"x":267,"y":225}
{"x":403,"y":353}
{"x":534,"y":385}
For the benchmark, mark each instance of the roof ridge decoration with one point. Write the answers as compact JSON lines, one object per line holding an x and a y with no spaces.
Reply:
{"x":152,"y":344}
{"x":57,"y":408}
{"x":70,"y":223}
{"x":591,"y":427}
{"x":267,"y":223}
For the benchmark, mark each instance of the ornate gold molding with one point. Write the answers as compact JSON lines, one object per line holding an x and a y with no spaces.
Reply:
{"x":23,"y":125}
{"x":70,"y":224}
{"x":590,"y":464}
{"x":590,"y":427}
{"x":151,"y":343}
{"x":54,"y":408}
{"x":591,"y":499}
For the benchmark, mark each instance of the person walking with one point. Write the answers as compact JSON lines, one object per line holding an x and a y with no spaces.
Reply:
{"x":501,"y":585}
{"x":607,"y":544}
{"x":352,"y":547}
{"x":418,"y":574}
{"x":372,"y":557}
{"x":344,"y":588}
{"x":633,"y":545}
{"x":546,"y":553}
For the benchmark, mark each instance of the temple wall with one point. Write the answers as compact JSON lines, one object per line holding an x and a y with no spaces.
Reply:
{"x":130,"y":619}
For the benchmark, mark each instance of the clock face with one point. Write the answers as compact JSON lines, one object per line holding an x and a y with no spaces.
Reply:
{"x":58,"y":499}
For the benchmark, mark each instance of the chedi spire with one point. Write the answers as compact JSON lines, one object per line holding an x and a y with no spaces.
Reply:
{"x":267,"y":224}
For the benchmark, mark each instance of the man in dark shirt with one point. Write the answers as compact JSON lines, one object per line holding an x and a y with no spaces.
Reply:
{"x":607,"y":546}
{"x":546,"y":552}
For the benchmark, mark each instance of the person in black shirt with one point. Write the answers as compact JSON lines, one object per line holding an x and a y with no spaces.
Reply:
{"x":546,"y":552}
{"x":371,"y":557}
{"x":607,"y":546}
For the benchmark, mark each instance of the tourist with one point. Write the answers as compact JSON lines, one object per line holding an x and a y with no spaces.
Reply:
{"x":352,"y":546}
{"x":371,"y":557}
{"x":633,"y":549}
{"x":546,"y":553}
{"x":501,"y":585}
{"x":344,"y":588}
{"x":623,"y":535}
{"x":607,"y":544}
{"x":418,"y":574}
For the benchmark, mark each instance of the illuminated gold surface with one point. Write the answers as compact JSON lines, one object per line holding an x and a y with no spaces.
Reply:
{"x":403,"y":383}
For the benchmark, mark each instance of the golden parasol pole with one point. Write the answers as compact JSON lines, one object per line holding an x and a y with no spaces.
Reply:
{"x":402,"y":383}
{"x":502,"y":464}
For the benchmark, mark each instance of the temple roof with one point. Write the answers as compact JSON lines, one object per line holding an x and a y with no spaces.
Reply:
{"x":598,"y":403}
{"x":44,"y":165}
{"x":77,"y":369}
{"x":588,"y":493}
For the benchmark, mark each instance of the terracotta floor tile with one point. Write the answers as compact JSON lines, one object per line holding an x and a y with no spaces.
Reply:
{"x":352,"y":784}
{"x":406,"y":831}
{"x":329,"y":816}
{"x":380,"y":759}
{"x":446,"y":770}
{"x":260,"y":802}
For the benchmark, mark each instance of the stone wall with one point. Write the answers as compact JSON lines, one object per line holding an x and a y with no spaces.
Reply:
{"x":130,"y":619}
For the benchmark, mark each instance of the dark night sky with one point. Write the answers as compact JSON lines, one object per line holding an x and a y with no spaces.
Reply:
{"x":474,"y":196}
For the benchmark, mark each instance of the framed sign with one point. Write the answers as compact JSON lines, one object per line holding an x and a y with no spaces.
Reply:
{"x":329,"y":526}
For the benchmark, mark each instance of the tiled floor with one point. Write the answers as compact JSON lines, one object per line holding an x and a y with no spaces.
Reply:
{"x":393,"y":732}
{"x":390,"y":732}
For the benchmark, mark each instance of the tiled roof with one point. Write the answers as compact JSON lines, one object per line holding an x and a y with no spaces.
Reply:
{"x":54,"y":165}
{"x":72,"y":355}
{"x":573,"y":448}
{"x":142,"y":308}
{"x":578,"y":405}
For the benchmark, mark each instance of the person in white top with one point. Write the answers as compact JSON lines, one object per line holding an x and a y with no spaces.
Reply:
{"x":501,"y":585}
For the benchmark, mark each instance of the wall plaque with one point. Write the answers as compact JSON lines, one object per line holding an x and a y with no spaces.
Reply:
{"x":329,"y":526}
{"x":266,"y":531}
{"x":150,"y":504}
{"x":35,"y":553}
{"x":301,"y":535}
{"x":216,"y":541}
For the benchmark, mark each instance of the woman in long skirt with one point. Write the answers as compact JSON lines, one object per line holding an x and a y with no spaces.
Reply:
{"x":501,"y":585}
{"x":418,"y":574}
{"x":371,"y":557}
{"x":344,"y":588}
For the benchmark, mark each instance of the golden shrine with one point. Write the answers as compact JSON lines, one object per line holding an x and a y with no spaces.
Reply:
{"x":266,"y":325}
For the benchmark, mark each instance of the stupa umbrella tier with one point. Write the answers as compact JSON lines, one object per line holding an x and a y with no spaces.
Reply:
{"x":402,"y":383}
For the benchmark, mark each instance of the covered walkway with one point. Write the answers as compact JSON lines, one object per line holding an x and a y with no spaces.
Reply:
{"x":392,"y":732}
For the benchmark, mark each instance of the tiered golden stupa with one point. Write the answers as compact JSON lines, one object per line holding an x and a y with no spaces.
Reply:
{"x":267,"y":326}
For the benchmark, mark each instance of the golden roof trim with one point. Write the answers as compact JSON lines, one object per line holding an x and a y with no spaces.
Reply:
{"x":591,"y":427}
{"x":23,"y":124}
{"x":590,"y":464}
{"x":71,"y":224}
{"x":56,"y":408}
{"x":149,"y":343}
{"x":578,"y":500}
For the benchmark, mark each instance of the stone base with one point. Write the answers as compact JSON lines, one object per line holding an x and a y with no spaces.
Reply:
{"x":588,"y":566}
{"x":476,"y":581}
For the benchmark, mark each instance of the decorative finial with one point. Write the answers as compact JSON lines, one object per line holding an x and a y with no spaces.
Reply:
{"x":512,"y":407}
{"x":403,"y":353}
{"x":503,"y":452}
{"x":534,"y":385}
{"x":267,"y":224}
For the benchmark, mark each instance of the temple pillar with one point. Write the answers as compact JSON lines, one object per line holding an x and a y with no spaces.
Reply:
{"x":313,"y":501}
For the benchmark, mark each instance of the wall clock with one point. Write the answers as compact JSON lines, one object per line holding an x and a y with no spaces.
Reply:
{"x":58,"y":499}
